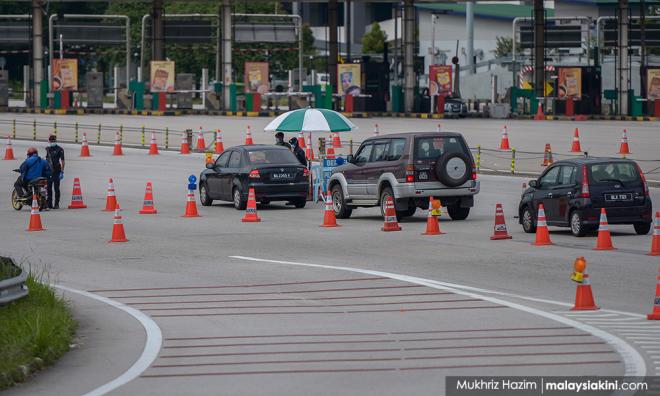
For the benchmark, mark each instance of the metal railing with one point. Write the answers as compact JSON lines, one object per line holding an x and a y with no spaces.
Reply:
{"x":13,"y":288}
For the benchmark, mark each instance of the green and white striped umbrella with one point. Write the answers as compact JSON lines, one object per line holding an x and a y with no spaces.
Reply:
{"x":310,"y":120}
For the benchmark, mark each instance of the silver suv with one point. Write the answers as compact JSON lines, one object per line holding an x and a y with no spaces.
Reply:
{"x":409,"y":167}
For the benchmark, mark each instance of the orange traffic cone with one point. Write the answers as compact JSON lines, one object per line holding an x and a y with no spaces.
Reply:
{"x":148,"y":202}
{"x":301,"y":140}
{"x":84,"y":148}
{"x":499,"y":229}
{"x":539,"y":113}
{"x":118,"y":234}
{"x":251,"y":215}
{"x":153,"y":146}
{"x":117,"y":150}
{"x":76,"y":196}
{"x":438,"y":128}
{"x":376,"y":131}
{"x":329,"y":150}
{"x":111,"y":198}
{"x":248,"y":136}
{"x":623,"y":148}
{"x":336,"y":142}
{"x":191,"y":206}
{"x":576,"y":142}
{"x":547,"y":155}
{"x":542,"y":233}
{"x":329,"y":219}
{"x":655,"y":315}
{"x":655,"y":242}
{"x":604,"y":237}
{"x":432,"y":222}
{"x":185,"y":146}
{"x":219,"y":146}
{"x":35,"y":217}
{"x":504,"y":142}
{"x":201,"y":144}
{"x":391,"y":223}
{"x":9,"y":151}
{"x":584,"y":298}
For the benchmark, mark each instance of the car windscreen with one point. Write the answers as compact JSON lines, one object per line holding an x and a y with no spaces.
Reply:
{"x":433,"y":147}
{"x":613,"y":172}
{"x":267,"y":157}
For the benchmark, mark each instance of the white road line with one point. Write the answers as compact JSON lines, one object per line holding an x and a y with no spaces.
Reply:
{"x":634,"y":363}
{"x":151,"y":346}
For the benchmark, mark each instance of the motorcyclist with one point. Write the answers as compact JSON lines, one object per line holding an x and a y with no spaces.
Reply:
{"x":32,"y":168}
{"x":297,"y":151}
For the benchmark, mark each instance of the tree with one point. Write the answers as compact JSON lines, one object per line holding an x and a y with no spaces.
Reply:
{"x":503,"y":47}
{"x":374,"y":40}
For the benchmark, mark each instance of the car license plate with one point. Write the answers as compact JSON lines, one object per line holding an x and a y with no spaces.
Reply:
{"x":423,"y":176}
{"x":618,"y":197}
{"x":281,"y":176}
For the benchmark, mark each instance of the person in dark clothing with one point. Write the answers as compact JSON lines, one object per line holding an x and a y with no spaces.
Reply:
{"x":32,"y":168}
{"x":279,"y":140}
{"x":297,"y":151}
{"x":55,"y":157}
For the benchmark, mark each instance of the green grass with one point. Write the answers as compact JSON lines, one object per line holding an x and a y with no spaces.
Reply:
{"x":35,"y":331}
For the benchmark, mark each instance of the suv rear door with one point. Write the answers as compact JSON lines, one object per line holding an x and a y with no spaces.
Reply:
{"x":615,"y":185}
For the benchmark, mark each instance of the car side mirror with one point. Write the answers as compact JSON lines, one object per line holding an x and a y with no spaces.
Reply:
{"x":349,"y":158}
{"x":533,"y":183}
{"x":210,"y":166}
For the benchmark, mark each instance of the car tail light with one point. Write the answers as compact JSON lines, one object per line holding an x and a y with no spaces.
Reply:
{"x":306,"y":172}
{"x":641,"y":175}
{"x":474,"y":172}
{"x":410,"y":173}
{"x":254,"y":174}
{"x":584,"y":191}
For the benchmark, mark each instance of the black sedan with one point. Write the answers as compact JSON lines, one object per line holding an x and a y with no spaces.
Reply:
{"x":273,"y":171}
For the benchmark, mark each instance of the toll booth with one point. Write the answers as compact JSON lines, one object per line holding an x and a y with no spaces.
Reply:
{"x":4,"y":89}
{"x":94,"y":82}
{"x":588,"y":101}
{"x":376,"y":83}
{"x":184,"y":82}
{"x":212,"y":101}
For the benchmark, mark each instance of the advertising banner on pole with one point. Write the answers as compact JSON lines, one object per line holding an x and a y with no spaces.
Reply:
{"x":653,"y":84}
{"x":349,"y":78}
{"x":256,"y":77}
{"x":65,"y":74}
{"x":440,"y":80}
{"x":162,"y":76}
{"x":570,"y":82}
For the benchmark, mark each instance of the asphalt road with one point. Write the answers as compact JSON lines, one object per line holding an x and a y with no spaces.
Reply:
{"x":598,"y":138}
{"x":287,"y":307}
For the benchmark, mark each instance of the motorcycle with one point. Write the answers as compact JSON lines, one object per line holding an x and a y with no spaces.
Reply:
{"x":37,"y":187}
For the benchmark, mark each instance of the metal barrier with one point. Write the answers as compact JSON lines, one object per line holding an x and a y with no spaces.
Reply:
{"x":13,"y":288}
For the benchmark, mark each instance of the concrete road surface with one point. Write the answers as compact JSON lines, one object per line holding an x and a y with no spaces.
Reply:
{"x":212,"y":305}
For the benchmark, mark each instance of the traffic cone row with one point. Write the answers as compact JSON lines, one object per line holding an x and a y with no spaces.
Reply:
{"x":219,"y":146}
{"x":575,"y":148}
{"x":251,"y":215}
{"x":118,"y":234}
{"x":191,"y":206}
{"x":117,"y":148}
{"x":499,"y":229}
{"x":185,"y":146}
{"x":148,"y":202}
{"x":153,"y":146}
{"x":547,"y":155}
{"x":84,"y":147}
{"x":504,"y":142}
{"x":542,"y":233}
{"x":391,"y":223}
{"x":111,"y":198}
{"x":604,"y":241}
{"x":329,"y":219}
{"x":76,"y":196}
{"x":248,"y":136}
{"x":201,"y":144}
{"x":35,"y":217}
{"x":9,"y":151}
{"x":623,"y":147}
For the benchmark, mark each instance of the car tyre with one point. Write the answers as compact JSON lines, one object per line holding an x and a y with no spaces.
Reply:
{"x":458,"y":213}
{"x":576,"y":222}
{"x":204,"y":195}
{"x":642,"y":228}
{"x":527,"y":220}
{"x":239,"y":202}
{"x":342,"y":211}
{"x":299,"y":203}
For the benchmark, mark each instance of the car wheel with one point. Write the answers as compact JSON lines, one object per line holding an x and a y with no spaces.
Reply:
{"x":299,"y":202}
{"x":342,"y":211}
{"x":527,"y":220}
{"x":578,"y":229}
{"x":204,"y":195}
{"x":458,"y":213}
{"x":239,"y":202}
{"x":642,"y":228}
{"x":15,"y":203}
